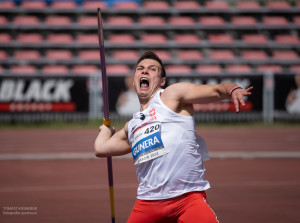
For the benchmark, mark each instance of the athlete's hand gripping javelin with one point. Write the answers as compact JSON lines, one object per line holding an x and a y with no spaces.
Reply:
{"x":108,"y":131}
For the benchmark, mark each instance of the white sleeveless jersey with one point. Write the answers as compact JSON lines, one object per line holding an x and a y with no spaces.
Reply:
{"x":167,"y":152}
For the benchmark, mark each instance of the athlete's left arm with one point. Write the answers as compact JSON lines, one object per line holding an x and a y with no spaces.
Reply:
{"x":200,"y":94}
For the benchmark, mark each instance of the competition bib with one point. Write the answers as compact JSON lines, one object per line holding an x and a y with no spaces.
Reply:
{"x":147,"y":144}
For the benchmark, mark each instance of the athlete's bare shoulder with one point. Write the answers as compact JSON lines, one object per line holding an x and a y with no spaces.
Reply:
{"x":174,"y":91}
{"x":172,"y":98}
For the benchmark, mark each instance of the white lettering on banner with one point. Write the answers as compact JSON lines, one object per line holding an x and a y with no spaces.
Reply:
{"x":33,"y":91}
{"x":37,"y":90}
{"x":19,"y":89}
{"x":50,"y":84}
{"x":62,"y":90}
{"x":7,"y":90}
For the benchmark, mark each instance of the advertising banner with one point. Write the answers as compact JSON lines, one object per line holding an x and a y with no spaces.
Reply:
{"x":39,"y":98}
{"x":43,"y":94}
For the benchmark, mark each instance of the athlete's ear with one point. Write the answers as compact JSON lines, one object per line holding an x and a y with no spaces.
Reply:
{"x":163,"y":81}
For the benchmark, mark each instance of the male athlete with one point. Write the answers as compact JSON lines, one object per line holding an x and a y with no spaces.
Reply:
{"x":165,"y":148}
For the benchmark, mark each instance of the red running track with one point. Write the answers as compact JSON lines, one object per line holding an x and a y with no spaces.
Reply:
{"x":243,"y":190}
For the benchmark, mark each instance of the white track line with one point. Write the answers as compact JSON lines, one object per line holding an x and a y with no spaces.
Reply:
{"x":253,"y":155}
{"x":270,"y":183}
{"x":65,"y":187}
{"x":47,"y":156}
{"x":85,"y":156}
{"x":47,"y":188}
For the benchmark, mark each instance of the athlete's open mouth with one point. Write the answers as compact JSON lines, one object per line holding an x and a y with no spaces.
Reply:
{"x":144,"y":82}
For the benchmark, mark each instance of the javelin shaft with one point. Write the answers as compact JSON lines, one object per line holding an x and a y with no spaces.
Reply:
{"x":106,"y":111}
{"x":103,"y":66}
{"x":104,"y":84}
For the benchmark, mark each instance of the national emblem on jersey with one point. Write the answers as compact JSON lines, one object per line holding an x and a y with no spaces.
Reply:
{"x":147,"y":143}
{"x":152,"y":112}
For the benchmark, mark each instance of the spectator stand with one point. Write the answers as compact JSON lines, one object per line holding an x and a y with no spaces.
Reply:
{"x":219,"y":25}
{"x":197,"y":37}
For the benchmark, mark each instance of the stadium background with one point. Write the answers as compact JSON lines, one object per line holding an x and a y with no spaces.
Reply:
{"x":50,"y":71}
{"x":43,"y":43}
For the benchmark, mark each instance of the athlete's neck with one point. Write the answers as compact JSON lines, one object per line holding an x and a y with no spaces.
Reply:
{"x":145,"y":102}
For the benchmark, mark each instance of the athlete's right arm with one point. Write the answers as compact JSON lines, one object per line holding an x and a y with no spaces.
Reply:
{"x":109,"y":143}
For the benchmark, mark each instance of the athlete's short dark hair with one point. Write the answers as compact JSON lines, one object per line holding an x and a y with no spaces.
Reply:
{"x":153,"y":56}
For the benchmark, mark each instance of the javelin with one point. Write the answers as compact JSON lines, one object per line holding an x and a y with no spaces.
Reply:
{"x":106,"y":119}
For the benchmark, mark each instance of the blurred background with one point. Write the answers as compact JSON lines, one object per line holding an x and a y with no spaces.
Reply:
{"x":50,"y":75}
{"x":50,"y":65}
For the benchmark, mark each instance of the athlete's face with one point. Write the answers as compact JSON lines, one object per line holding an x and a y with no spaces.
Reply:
{"x":147,"y":78}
